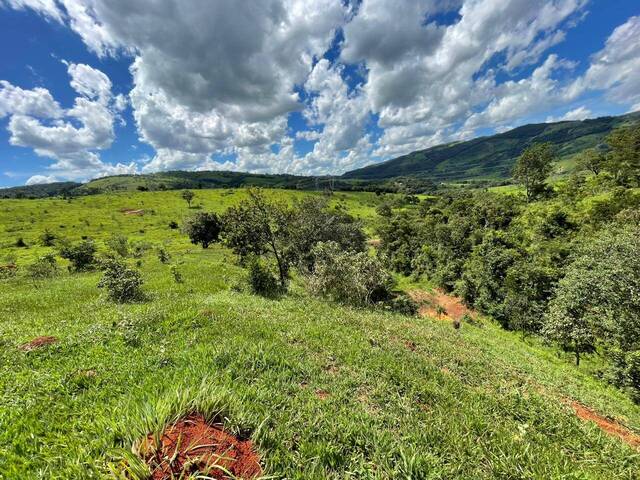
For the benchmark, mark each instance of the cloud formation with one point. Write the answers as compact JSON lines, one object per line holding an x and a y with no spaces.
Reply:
{"x":371,"y":79}
{"x":71,"y":136}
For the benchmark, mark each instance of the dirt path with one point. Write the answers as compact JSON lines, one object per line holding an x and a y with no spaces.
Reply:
{"x":607,"y":425}
{"x":439,"y":305}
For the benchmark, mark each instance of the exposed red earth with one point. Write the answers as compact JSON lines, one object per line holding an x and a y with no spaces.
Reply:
{"x":193,"y":445}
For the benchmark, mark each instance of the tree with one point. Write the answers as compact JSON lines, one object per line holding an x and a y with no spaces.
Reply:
{"x":592,"y":160}
{"x":533,"y":167}
{"x":188,"y":196}
{"x":203,"y":228}
{"x":312,"y":221}
{"x":623,"y":160}
{"x":598,"y":300}
{"x":259,"y":226}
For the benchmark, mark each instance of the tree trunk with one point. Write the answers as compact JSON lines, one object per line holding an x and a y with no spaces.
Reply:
{"x":577,"y":358}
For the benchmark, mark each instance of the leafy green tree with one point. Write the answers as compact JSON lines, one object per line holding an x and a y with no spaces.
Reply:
{"x":591,"y":160}
{"x":259,"y":227}
{"x":598,"y":300}
{"x":623,"y":160}
{"x":482,"y":283}
{"x":533,"y":167}
{"x":203,"y":228}
{"x":312,"y":221}
{"x":188,"y":196}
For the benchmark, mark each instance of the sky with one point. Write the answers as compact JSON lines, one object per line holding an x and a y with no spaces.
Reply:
{"x":90,"y":88}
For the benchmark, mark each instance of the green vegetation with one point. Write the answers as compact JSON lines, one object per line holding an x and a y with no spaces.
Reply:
{"x":556,"y":262}
{"x":290,"y":328}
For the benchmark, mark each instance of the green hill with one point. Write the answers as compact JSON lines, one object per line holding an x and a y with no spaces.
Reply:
{"x":324,"y":391}
{"x":39,"y":191}
{"x":492,"y":158}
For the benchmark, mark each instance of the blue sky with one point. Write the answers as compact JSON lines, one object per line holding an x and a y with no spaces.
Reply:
{"x":97,"y":87}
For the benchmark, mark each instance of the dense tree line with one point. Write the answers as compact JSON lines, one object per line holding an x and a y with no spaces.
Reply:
{"x":562,"y":261}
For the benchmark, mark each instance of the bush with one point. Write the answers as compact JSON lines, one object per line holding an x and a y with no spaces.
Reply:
{"x":123,"y":284}
{"x":177,"y":275}
{"x":81,"y":255}
{"x":203,"y":229}
{"x":138,"y":249}
{"x":262,"y":281}
{"x":173,"y":225}
{"x":43,"y":268}
{"x":119,"y":244}
{"x":347,"y":277}
{"x":403,"y":304}
{"x":20,"y":243}
{"x":163,"y":255}
{"x":47,"y":239}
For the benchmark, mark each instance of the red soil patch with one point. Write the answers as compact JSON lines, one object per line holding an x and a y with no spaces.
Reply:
{"x":429,"y":302}
{"x":607,"y":425}
{"x":322,"y":394}
{"x":37,"y":343}
{"x":130,"y":211}
{"x":192,"y":445}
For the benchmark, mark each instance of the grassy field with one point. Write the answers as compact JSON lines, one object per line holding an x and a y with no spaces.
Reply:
{"x":324,"y":391}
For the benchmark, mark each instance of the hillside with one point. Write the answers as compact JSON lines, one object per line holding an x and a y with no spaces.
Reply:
{"x":322,"y":391}
{"x":39,"y":191}
{"x":493,"y":157}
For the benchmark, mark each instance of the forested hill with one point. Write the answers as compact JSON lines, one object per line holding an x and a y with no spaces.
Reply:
{"x":493,"y":157}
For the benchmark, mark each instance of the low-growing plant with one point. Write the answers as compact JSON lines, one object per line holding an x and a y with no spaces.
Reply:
{"x":262,"y":280}
{"x":47,"y":238}
{"x":401,"y":303}
{"x":177,"y":274}
{"x":119,"y":244}
{"x":81,"y":254}
{"x":173,"y":225}
{"x":123,"y":284}
{"x":163,"y":255}
{"x":139,"y":248}
{"x":43,"y":268}
{"x":20,"y":243}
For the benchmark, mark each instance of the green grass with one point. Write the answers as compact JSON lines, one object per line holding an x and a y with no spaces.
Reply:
{"x":474,"y":403}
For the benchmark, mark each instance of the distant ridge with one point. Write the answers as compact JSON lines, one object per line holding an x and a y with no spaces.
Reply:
{"x":493,"y":157}
{"x":483,"y":159}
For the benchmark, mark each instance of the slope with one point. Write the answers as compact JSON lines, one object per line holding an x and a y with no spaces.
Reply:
{"x":493,"y":157}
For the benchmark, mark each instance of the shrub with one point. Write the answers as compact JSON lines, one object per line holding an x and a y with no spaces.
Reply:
{"x":139,"y":248}
{"x":47,"y":239}
{"x":203,"y":229}
{"x":81,"y":255}
{"x":177,"y":275}
{"x":347,"y":277}
{"x":43,"y":268}
{"x":173,"y":225}
{"x":163,"y":255}
{"x":262,"y":281}
{"x":401,"y":303}
{"x":20,"y":243}
{"x":119,"y":244}
{"x":123,"y":284}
